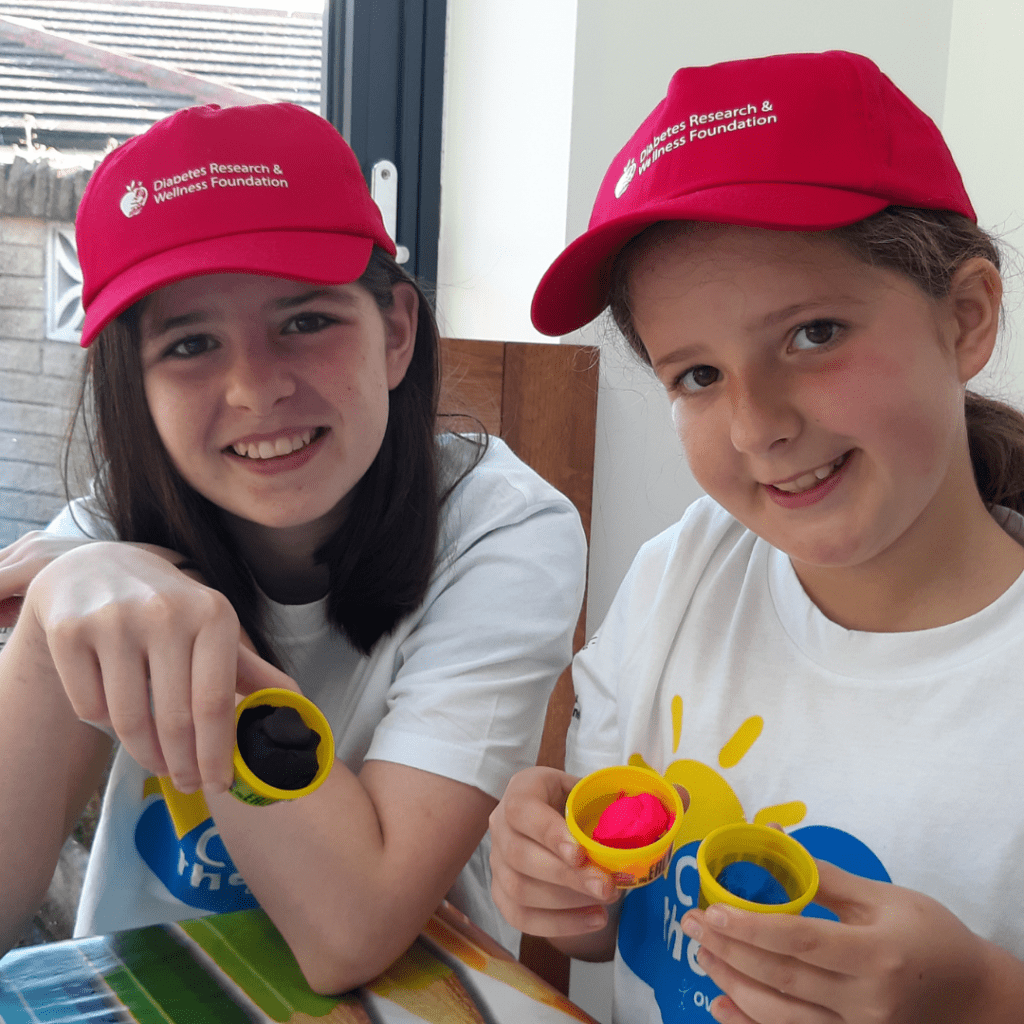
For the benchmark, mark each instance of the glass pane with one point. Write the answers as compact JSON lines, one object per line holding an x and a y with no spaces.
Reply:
{"x":76,"y":78}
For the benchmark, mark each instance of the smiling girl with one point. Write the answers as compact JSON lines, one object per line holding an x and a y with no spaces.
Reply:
{"x":272,"y":507}
{"x":832,"y":639}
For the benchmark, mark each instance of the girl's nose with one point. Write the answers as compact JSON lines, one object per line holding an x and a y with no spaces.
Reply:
{"x":763,"y":414}
{"x":257,"y":379}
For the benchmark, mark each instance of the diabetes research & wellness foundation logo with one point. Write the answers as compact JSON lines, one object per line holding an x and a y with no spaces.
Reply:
{"x":134,"y":198}
{"x":212,"y":177}
{"x":695,"y":128}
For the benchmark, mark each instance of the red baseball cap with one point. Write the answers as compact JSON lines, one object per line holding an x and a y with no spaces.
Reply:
{"x":794,"y":142}
{"x":264,"y":189}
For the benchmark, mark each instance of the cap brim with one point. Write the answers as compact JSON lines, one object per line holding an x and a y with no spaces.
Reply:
{"x":574,"y":290}
{"x":314,"y":256}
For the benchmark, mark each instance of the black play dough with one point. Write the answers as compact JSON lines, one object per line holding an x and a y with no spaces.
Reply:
{"x":278,"y":746}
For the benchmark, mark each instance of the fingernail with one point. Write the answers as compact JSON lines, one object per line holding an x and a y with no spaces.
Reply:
{"x":716,"y":916}
{"x":691,"y":926}
{"x":599,"y":887}
{"x":570,"y":853}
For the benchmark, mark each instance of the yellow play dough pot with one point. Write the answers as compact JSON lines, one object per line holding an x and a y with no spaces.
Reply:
{"x":592,"y":794}
{"x":250,"y":789}
{"x":791,"y":866}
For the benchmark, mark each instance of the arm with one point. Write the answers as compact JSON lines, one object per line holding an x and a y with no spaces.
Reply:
{"x":350,"y":873}
{"x":52,"y":763}
{"x":363,"y":861}
{"x":895,"y":956}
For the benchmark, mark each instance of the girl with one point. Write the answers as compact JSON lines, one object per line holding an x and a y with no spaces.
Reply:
{"x":264,"y":386}
{"x":832,"y":639}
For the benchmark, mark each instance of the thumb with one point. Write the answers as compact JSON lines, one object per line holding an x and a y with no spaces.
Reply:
{"x":256,"y":674}
{"x":845,"y":894}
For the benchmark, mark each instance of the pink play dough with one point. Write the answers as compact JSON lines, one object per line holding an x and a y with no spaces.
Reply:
{"x":632,"y":821}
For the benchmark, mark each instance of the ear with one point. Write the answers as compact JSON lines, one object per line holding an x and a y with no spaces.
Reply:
{"x":400,"y":323}
{"x":975,"y":295}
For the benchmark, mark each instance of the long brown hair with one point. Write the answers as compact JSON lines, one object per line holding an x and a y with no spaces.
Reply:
{"x":380,"y":561}
{"x":927,"y":246}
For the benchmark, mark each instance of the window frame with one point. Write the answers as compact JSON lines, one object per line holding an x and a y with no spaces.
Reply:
{"x":383,"y":89}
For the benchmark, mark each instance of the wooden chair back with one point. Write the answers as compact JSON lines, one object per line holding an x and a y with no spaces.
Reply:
{"x":541,"y":399}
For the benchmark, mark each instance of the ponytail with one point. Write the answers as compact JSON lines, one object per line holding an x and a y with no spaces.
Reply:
{"x":995,"y":433}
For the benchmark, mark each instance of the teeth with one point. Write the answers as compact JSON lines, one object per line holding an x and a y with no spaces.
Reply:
{"x":810,"y":479}
{"x":273,"y":449}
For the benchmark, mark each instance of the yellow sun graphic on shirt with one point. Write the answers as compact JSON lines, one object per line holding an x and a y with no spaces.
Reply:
{"x":712,"y":800}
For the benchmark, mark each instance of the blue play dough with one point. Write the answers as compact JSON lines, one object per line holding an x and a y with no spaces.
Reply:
{"x":752,"y":882}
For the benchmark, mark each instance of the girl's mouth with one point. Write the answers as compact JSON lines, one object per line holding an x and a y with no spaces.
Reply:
{"x":813,"y":478}
{"x":277,"y":449}
{"x":811,"y":487}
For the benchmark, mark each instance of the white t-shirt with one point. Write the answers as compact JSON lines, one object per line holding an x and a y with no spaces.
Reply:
{"x":458,"y":689}
{"x":897,"y":756}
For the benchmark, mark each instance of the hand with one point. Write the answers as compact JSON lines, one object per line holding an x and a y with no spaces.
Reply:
{"x":150,"y":653}
{"x":895,"y":956}
{"x":540,"y":878}
{"x":21,"y":561}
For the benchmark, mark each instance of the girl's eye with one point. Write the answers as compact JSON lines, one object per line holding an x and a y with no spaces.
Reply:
{"x":815,"y":334}
{"x":697,"y":378}
{"x":193,"y":345}
{"x":307,"y":323}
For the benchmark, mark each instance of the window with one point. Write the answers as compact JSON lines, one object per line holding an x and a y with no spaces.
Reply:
{"x":64,"y":313}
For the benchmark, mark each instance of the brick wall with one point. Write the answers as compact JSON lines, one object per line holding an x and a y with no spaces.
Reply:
{"x":38,"y":382}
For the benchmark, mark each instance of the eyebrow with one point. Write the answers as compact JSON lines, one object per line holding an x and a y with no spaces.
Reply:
{"x":172,"y":322}
{"x":780,"y":315}
{"x":289,"y":302}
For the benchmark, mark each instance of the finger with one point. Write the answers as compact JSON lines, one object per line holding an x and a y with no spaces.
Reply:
{"x":778,"y":972}
{"x":747,"y":1001}
{"x":539,"y":908}
{"x":170,"y":683}
{"x":534,"y":876}
{"x":126,"y":686}
{"x":534,"y":805}
{"x":551,"y":923}
{"x":813,"y":941}
{"x":79,"y":669}
{"x":15,"y":578}
{"x":215,"y":657}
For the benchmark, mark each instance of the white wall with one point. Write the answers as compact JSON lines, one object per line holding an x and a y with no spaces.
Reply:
{"x":505,"y":161}
{"x":982,"y":124}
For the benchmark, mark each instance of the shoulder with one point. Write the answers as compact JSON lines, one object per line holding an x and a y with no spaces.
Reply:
{"x":703,"y":538}
{"x":82,"y":518}
{"x":499,"y":491}
{"x":670,"y":572}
